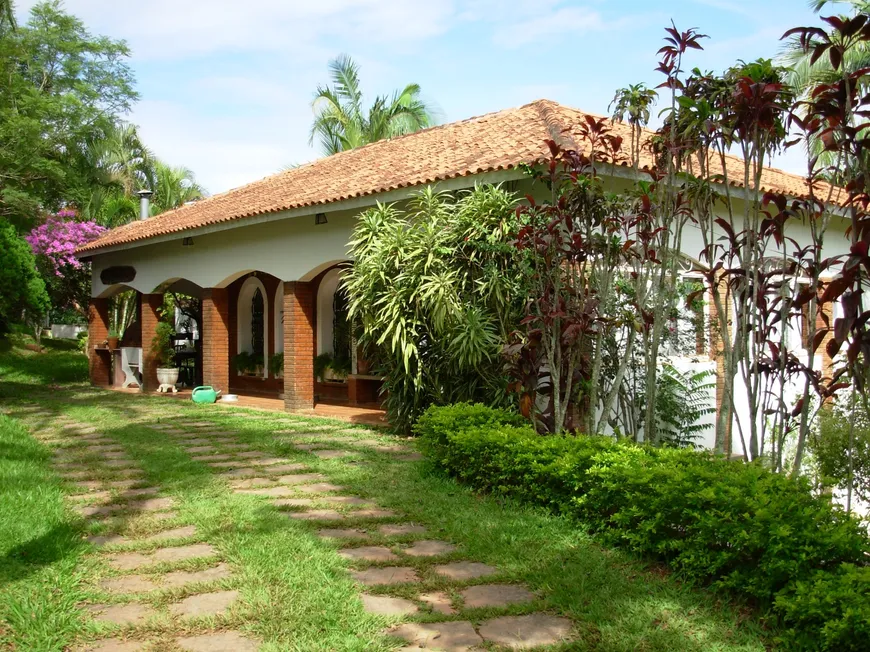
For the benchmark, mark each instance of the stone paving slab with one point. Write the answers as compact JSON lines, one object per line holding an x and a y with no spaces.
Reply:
{"x":495,"y":595}
{"x":300,"y":478}
{"x":175,"y":579}
{"x":464,"y":570}
{"x":251,"y":483}
{"x":238,"y":473}
{"x":121,"y":614}
{"x":457,"y":636}
{"x":122,"y":484}
{"x":128,"y":560}
{"x":112,"y":645}
{"x":181,"y":553}
{"x":317,"y":515}
{"x":318,"y":488}
{"x":369,"y":553}
{"x":523,"y":632}
{"x":268,"y":461}
{"x":204,"y":604}
{"x":151,"y":504}
{"x":401,"y":529}
{"x":108,"y":539}
{"x":386,"y":575}
{"x":98,"y":510}
{"x":218,"y":642}
{"x":285,"y":468}
{"x":330,"y":454}
{"x":144,"y":491}
{"x":430,"y":548}
{"x":439,"y":602}
{"x":92,"y":496}
{"x":385,"y":605}
{"x":201,"y":449}
{"x":128,"y":584}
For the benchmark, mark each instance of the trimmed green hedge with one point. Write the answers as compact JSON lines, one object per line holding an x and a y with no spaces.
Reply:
{"x":735,"y":526}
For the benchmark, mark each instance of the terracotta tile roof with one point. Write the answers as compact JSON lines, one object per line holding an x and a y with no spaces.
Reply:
{"x":496,"y":141}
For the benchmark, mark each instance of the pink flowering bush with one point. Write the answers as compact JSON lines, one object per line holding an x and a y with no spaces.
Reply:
{"x":58,"y":238}
{"x":54,"y":243}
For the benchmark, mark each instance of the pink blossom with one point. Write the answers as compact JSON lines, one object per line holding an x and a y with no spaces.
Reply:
{"x":58,"y":238}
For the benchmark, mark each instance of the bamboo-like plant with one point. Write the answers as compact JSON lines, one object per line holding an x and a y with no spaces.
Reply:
{"x":436,"y":293}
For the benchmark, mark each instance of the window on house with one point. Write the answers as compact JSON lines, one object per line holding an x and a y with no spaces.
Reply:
{"x":257,"y":325}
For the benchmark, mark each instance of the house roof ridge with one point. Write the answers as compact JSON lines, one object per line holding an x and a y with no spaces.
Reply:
{"x":499,"y":140}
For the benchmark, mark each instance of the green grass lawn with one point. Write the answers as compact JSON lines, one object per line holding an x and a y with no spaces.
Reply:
{"x":295,"y":591}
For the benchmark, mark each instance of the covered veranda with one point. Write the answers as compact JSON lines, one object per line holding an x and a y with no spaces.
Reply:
{"x":259,"y":328}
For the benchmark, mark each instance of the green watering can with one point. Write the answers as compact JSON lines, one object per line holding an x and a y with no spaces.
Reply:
{"x":205,"y":394}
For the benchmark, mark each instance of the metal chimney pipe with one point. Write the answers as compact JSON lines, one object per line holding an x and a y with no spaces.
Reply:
{"x":144,"y":210}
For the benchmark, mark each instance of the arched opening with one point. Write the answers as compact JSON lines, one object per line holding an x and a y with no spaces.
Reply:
{"x":279,"y":318}
{"x":252,"y":310}
{"x":333,"y":336}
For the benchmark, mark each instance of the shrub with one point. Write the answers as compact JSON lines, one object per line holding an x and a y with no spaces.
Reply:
{"x":736,"y":526}
{"x":161,"y":346}
{"x":831,"y":611}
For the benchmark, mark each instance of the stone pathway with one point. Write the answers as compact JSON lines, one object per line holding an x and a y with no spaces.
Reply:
{"x":111,"y":493}
{"x":436,"y":597}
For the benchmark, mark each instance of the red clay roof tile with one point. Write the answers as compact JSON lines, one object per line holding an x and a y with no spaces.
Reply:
{"x":492,"y":142}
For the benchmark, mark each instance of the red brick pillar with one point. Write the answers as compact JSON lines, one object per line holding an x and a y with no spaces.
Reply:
{"x":215,"y":338}
{"x":298,"y":346}
{"x":149,"y":304}
{"x":99,"y":362}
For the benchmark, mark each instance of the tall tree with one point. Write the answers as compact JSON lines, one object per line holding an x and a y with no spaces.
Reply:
{"x":341,"y":122}
{"x":63,"y":88}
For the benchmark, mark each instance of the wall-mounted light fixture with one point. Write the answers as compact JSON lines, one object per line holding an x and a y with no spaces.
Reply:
{"x":187,"y":242}
{"x":320,"y":218}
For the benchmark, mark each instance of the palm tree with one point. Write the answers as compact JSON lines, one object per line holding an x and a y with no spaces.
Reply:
{"x":123,"y":156}
{"x":173,"y":186}
{"x":803,"y":76}
{"x":340,"y":122}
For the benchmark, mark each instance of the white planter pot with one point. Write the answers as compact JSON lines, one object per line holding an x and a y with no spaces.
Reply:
{"x":167,"y":379}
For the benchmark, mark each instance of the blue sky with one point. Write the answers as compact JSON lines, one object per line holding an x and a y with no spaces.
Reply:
{"x":226,"y":86}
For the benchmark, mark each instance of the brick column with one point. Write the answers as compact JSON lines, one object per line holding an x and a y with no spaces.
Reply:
{"x":149,"y":304}
{"x":298,"y":346}
{"x":99,"y":362}
{"x":215,"y":339}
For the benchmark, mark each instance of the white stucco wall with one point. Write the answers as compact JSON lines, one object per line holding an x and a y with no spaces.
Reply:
{"x":291,"y":249}
{"x":325,"y":313}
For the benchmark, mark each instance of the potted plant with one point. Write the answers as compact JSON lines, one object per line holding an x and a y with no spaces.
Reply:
{"x":322,"y":363}
{"x":242,"y":362}
{"x":113,"y":339}
{"x":276,"y":365}
{"x":257,"y":364}
{"x":164,"y":355}
{"x":339,"y":369}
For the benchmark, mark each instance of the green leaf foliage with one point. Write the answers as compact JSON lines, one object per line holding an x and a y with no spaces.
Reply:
{"x":63,"y":90}
{"x":435,"y":292}
{"x":738,"y":527}
{"x":22,"y":290}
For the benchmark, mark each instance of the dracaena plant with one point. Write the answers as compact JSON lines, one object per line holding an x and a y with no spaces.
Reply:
{"x":836,"y":115}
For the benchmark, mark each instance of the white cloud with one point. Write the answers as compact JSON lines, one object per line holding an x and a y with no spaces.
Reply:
{"x":225,"y":152}
{"x":169,"y":29}
{"x":559,"y":23}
